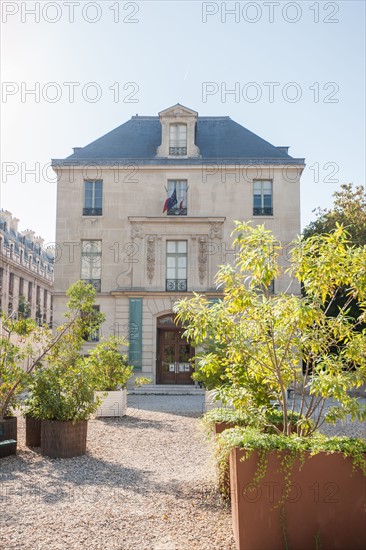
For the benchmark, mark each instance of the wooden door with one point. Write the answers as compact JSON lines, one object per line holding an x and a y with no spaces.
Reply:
{"x":174,"y":353}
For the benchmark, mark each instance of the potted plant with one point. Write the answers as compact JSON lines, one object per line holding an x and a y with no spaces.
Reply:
{"x":63,"y":398}
{"x":61,"y":388}
{"x":19,"y":351}
{"x":112,"y":373}
{"x":276,"y":342}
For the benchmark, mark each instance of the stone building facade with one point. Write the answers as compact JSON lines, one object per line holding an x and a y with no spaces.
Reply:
{"x":145,"y":213}
{"x":26,"y":272}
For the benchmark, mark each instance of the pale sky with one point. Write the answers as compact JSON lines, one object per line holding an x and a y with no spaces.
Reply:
{"x":296,"y":70}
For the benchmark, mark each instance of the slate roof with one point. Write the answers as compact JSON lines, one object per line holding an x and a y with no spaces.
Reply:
{"x":18,"y":240}
{"x":220,"y":139}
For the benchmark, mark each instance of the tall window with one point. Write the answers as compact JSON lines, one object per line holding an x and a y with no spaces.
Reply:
{"x":92,"y":335}
{"x":11,"y":284}
{"x":21,"y":286}
{"x":38,"y":295}
{"x":176,"y":265}
{"x":262,"y":198}
{"x":177,"y":192}
{"x":91,"y":263}
{"x":30,"y":293}
{"x":178,"y":139}
{"x":93,"y":198}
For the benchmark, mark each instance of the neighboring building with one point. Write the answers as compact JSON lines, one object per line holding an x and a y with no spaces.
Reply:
{"x":145,"y":214}
{"x":26,"y":272}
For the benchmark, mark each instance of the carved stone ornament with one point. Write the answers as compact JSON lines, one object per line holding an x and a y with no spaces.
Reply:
{"x":137,"y":231}
{"x":216,"y":230}
{"x":202,"y":258}
{"x":150,"y":263}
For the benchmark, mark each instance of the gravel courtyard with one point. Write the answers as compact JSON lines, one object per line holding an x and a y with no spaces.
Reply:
{"x":147,"y":482}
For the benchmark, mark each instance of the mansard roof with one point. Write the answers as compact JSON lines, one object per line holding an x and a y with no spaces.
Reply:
{"x":219,"y":138}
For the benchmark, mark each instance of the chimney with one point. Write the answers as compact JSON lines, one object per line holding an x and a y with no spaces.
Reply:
{"x":6,"y":216}
{"x":14,"y":224}
{"x":283,"y":148}
{"x":29,"y":234}
{"x":76,"y":149}
{"x":39,"y":240}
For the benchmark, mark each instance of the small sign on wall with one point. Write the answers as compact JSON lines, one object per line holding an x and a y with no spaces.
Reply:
{"x":171,"y":367}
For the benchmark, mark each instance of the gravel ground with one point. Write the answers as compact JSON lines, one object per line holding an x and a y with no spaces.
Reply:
{"x":147,"y":482}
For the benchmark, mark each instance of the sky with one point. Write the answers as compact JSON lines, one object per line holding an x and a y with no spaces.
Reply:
{"x":291,"y":72}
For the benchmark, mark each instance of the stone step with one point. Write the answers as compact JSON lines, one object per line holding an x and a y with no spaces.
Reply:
{"x":166,"y":389}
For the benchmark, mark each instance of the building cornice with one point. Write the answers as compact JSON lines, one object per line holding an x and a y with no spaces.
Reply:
{"x":188,"y":163}
{"x":173,"y":219}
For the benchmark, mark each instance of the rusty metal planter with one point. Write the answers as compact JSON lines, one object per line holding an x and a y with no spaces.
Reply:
{"x":8,"y":431}
{"x":32,"y":431}
{"x":63,"y":439}
{"x":325,"y":505}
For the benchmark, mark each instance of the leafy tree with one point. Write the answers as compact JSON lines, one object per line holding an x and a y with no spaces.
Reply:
{"x":349,"y":209}
{"x":110,"y":367}
{"x":24,"y":345}
{"x":263,"y":338}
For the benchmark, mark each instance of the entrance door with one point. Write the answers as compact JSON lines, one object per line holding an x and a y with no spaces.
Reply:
{"x":174,"y":352}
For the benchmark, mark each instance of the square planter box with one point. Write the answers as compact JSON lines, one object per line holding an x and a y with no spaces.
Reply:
{"x":113,"y":404}
{"x":63,"y":439}
{"x":32,"y":432}
{"x":324,"y":509}
{"x":8,"y":431}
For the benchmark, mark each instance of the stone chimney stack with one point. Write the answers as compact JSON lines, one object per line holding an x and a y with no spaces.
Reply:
{"x":29,"y":234}
{"x":39,"y":240}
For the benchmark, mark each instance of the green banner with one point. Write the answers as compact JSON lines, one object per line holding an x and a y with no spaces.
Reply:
{"x":135,"y":333}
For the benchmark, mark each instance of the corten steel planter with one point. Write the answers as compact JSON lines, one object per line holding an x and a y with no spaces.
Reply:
{"x":219,"y":427}
{"x":224,"y":481}
{"x":63,"y":439}
{"x":325,"y":506}
{"x":8,"y":430}
{"x":113,"y":404}
{"x":32,"y":431}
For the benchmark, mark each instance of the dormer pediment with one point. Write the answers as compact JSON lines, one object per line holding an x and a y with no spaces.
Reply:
{"x":178,"y":130}
{"x":178,"y":111}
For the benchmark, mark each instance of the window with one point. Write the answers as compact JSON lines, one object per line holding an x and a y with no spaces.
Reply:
{"x":21,"y":286}
{"x":178,"y":139}
{"x":92,"y":335}
{"x":178,"y":202}
{"x":30,"y":292}
{"x":38,"y":295}
{"x":262,"y":198}
{"x":11,"y":285}
{"x":176,"y":265}
{"x":91,"y":263}
{"x":93,"y":197}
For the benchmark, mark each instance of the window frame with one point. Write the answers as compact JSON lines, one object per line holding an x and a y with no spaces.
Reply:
{"x":93,"y":210}
{"x":91,"y":279}
{"x":93,"y":336}
{"x":176,"y":284}
{"x":183,"y":197}
{"x":262,"y":210}
{"x":176,"y":149}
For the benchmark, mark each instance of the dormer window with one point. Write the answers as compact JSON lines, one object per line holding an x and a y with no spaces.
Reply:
{"x":178,"y":131}
{"x":178,"y":139}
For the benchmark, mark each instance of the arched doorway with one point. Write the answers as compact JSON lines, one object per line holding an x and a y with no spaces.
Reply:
{"x":174,"y":353}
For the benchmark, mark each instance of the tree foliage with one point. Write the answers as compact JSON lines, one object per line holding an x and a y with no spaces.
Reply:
{"x":349,"y":209}
{"x":24,"y":345}
{"x":263,"y":339}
